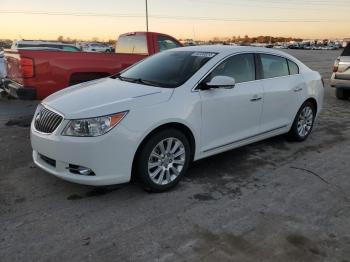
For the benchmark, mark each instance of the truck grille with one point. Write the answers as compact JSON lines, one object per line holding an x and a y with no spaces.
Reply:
{"x":47,"y":121}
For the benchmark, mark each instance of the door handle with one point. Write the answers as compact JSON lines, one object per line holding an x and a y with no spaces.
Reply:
{"x":298,"y":89}
{"x":256,"y":98}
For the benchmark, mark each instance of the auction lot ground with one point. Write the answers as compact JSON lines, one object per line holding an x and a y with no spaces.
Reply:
{"x":270,"y":201}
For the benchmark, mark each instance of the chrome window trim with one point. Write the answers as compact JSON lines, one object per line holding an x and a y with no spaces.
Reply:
{"x":194,"y":89}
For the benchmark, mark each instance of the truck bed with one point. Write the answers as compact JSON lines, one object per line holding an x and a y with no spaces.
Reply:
{"x":55,"y":70}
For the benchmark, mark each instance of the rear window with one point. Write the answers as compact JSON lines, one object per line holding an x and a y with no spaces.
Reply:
{"x":293,"y":68}
{"x":132,"y":44}
{"x":346,"y":51}
{"x":274,"y":66}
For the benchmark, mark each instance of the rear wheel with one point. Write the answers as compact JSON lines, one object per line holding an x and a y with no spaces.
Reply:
{"x":303,"y":122}
{"x":342,"y":94}
{"x":163,"y":160}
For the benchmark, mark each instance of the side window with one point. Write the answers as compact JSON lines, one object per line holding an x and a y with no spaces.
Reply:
{"x":293,"y":68}
{"x":273,"y":66}
{"x":166,"y":43}
{"x":240,"y":67}
{"x":132,"y":44}
{"x":23,"y":45}
{"x":51,"y":46}
{"x":70,"y":49}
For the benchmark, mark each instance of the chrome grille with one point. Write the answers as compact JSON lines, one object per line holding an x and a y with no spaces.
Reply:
{"x":47,"y":121}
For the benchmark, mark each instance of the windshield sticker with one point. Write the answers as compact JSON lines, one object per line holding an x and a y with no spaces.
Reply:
{"x":204,"y":54}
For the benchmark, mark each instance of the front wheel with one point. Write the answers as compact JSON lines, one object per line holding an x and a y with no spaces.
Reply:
{"x":303,"y":122}
{"x":163,"y":160}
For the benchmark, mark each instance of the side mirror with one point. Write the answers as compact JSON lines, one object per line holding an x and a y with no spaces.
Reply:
{"x":220,"y":82}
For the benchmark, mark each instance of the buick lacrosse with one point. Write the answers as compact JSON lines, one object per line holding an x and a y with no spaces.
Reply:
{"x":151,"y":120}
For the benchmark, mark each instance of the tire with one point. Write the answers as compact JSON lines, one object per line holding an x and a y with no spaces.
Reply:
{"x":303,"y":123}
{"x":159,"y":170}
{"x":341,"y":94}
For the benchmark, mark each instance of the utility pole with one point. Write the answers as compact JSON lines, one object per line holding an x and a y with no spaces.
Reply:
{"x":147,"y":15}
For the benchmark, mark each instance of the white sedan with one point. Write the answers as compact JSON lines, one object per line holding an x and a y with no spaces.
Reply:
{"x":175,"y":107}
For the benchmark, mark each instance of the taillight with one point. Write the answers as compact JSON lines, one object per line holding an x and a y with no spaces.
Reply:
{"x":27,"y":66}
{"x":336,"y":66}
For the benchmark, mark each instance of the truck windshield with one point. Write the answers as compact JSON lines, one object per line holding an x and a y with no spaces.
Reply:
{"x":169,"y":69}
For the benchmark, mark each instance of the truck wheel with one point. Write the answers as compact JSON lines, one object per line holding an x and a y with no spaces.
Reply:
{"x":163,"y":160}
{"x":341,"y":94}
{"x":303,"y":122}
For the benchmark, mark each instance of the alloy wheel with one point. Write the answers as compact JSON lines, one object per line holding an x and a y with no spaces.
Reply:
{"x":166,"y":161}
{"x":305,"y":121}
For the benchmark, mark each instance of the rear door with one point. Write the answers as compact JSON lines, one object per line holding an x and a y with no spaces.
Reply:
{"x":283,"y":87}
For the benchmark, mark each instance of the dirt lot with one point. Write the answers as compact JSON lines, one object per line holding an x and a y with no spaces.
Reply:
{"x":270,"y":201}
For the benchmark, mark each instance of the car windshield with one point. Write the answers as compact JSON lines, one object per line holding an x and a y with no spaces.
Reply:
{"x":168,"y":69}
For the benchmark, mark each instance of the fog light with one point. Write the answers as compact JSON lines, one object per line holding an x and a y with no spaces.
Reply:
{"x":80,"y":170}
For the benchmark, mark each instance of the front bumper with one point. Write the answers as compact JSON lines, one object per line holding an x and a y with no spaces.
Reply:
{"x":109,"y":156}
{"x":18,"y":91}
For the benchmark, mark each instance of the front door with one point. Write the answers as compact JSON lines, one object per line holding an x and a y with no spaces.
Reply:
{"x":231,"y":115}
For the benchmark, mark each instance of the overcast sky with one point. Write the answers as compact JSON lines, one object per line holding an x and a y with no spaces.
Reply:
{"x":199,"y":19}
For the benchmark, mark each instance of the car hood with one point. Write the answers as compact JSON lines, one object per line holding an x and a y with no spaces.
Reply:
{"x":103,"y":97}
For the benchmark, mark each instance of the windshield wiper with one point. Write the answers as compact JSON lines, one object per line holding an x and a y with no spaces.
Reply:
{"x":149,"y":83}
{"x":137,"y":80}
{"x":123,"y":78}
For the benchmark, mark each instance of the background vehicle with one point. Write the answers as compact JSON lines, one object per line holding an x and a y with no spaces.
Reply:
{"x":36,"y":44}
{"x":2,"y":65}
{"x":96,"y":47}
{"x":174,"y":107}
{"x":35,"y":74}
{"x":2,"y":69}
{"x":341,"y":74}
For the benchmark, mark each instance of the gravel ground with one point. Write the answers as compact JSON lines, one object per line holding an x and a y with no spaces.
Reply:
{"x":270,"y":201}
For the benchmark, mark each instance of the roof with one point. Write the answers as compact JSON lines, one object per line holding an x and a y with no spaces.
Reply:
{"x":228,"y":49}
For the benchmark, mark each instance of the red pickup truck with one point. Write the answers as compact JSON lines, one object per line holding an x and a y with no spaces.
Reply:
{"x":35,"y":74}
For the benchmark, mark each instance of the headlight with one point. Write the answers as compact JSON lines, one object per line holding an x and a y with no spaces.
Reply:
{"x":96,"y":126}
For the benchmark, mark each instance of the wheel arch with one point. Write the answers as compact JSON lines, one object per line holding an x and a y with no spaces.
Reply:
{"x":171,"y":125}
{"x":313,"y":101}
